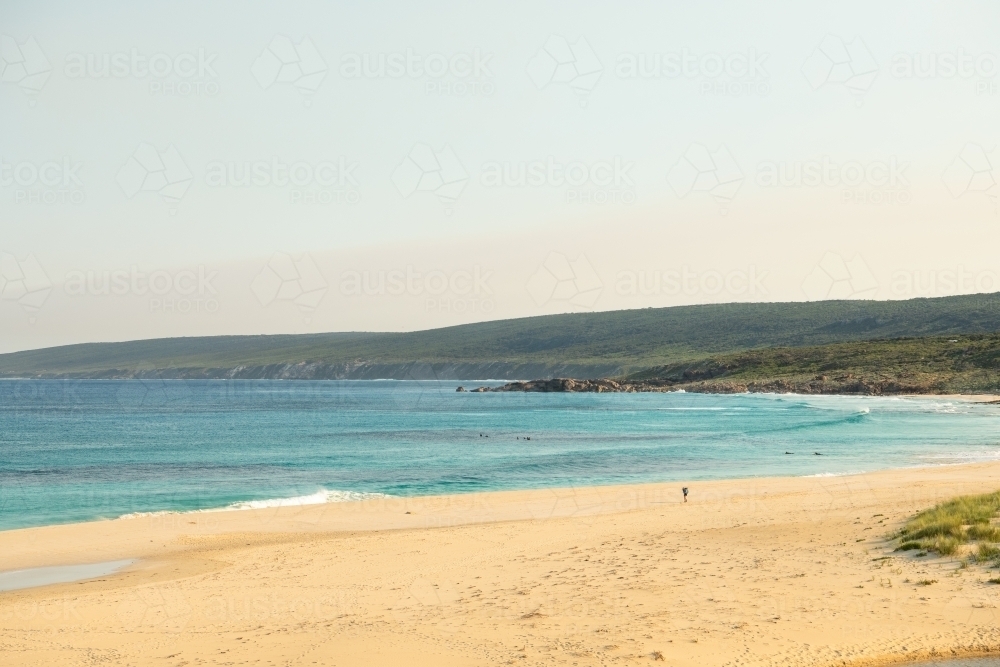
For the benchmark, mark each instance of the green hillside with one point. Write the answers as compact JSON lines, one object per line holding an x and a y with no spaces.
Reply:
{"x":927,"y":365}
{"x":604,"y":343}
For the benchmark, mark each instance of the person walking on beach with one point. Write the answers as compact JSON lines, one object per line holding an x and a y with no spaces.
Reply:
{"x":685,"y":492}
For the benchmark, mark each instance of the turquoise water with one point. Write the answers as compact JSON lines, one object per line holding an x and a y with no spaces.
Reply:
{"x":78,"y":450}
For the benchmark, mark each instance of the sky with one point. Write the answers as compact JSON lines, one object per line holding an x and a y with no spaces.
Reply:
{"x":188,"y":168}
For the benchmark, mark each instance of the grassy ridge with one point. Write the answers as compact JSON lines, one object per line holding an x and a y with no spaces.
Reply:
{"x":959,"y":364}
{"x":631,"y":339}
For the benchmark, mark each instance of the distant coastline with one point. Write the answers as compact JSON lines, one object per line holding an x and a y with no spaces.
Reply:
{"x":597,"y":344}
{"x":919,"y":346}
{"x":416,"y":370}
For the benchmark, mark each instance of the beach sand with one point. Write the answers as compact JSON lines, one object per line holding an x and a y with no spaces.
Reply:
{"x":970,"y":398}
{"x":778,"y":571}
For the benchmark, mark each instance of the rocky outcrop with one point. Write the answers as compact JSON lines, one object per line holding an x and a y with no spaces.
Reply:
{"x":569,"y":384}
{"x":845,"y":384}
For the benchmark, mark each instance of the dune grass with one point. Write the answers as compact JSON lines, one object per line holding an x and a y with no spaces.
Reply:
{"x":945,"y":528}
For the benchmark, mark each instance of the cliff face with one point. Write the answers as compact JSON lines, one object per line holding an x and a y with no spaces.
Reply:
{"x":349,"y":371}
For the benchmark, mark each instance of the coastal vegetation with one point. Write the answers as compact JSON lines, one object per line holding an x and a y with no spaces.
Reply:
{"x":931,"y":365}
{"x":964,"y":526}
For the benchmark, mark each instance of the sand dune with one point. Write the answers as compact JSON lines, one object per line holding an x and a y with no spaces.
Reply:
{"x":750,"y":572}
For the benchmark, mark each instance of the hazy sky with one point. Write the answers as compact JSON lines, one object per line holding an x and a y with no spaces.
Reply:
{"x":189,"y":168}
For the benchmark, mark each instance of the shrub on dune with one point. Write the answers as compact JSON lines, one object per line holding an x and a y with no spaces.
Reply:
{"x":963,"y":520}
{"x":985,"y":553}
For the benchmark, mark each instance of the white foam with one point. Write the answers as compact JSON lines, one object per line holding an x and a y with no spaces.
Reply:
{"x":836,"y":474}
{"x":321,"y":497}
{"x":963,"y":457}
{"x":138,"y":515}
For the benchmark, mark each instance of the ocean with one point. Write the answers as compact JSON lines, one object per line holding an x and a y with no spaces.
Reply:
{"x":79,"y":450}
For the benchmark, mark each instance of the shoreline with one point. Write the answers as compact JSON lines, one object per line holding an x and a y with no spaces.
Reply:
{"x":680,"y":388}
{"x":971,"y":398}
{"x":308,"y":515}
{"x":845,"y":385}
{"x":270,"y":504}
{"x":753,"y":571}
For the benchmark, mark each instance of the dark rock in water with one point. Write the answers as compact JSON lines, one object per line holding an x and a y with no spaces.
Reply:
{"x":599,"y":385}
{"x":479,"y":390}
{"x":564,"y":384}
{"x":460,"y":388}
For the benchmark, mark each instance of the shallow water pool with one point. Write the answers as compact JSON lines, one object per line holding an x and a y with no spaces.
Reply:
{"x":15,"y":580}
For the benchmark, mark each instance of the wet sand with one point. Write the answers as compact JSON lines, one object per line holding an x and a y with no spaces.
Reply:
{"x":14,"y":580}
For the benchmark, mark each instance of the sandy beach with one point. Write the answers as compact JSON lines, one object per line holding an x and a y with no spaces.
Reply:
{"x":777,"y":571}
